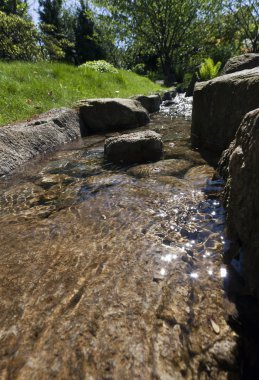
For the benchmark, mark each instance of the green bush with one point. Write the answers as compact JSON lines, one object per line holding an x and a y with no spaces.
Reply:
{"x":18,"y":38}
{"x":139,"y":69}
{"x":208,"y":69}
{"x":100,"y":66}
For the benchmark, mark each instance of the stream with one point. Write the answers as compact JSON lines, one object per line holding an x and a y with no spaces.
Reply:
{"x":114,"y":272}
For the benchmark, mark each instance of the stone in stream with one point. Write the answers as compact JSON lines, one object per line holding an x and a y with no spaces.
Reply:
{"x":166,"y":96}
{"x":162,"y":168}
{"x":151,"y":103}
{"x":176,"y":183}
{"x":47,"y":181}
{"x":219,"y":106}
{"x":239,"y":165}
{"x":104,"y":115}
{"x":176,"y":150}
{"x":241,"y":62}
{"x":134,"y":147}
{"x":200,"y":174}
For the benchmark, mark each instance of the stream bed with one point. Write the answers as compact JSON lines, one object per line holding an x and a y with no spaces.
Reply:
{"x":115,"y":273}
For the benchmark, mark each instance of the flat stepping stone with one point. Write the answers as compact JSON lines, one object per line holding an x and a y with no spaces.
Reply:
{"x":134,"y":147}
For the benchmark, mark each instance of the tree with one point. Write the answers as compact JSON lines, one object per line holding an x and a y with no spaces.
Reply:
{"x":55,"y":24}
{"x":218,"y":38}
{"x":15,"y":7}
{"x":88,"y":41}
{"x":246,"y":13}
{"x":18,"y":38}
{"x":50,"y":12}
{"x":166,"y":28}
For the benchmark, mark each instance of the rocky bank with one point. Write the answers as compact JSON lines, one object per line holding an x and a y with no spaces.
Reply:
{"x":240,"y":167}
{"x":225,"y":116}
{"x":219,"y":106}
{"x":23,"y":141}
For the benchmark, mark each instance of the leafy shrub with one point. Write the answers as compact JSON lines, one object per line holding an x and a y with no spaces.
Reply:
{"x":100,"y":66}
{"x":139,"y":68}
{"x":18,"y":38}
{"x":208,"y":69}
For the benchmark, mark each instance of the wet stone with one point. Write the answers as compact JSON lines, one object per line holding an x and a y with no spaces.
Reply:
{"x":48,"y":181}
{"x":200,"y":175}
{"x":174,"y":182}
{"x":162,"y":168}
{"x":135,"y":147}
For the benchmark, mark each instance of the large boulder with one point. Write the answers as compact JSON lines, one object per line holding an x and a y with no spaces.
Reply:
{"x":241,"y":62}
{"x":219,"y":106}
{"x":22,"y":141}
{"x":240,"y":167}
{"x":134,"y":147}
{"x":151,"y":103}
{"x":102,"y":115}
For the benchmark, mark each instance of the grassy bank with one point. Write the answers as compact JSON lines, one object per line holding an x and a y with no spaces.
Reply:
{"x":28,"y":89}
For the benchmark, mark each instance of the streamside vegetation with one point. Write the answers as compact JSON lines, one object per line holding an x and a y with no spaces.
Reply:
{"x":29,"y":88}
{"x":164,"y":40}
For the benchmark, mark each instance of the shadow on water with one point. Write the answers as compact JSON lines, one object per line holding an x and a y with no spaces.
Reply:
{"x":245,"y":321}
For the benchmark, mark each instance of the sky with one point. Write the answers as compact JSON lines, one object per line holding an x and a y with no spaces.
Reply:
{"x":34,"y":5}
{"x":33,"y":10}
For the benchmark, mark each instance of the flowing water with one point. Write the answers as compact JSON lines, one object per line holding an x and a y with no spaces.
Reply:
{"x":115,"y":272}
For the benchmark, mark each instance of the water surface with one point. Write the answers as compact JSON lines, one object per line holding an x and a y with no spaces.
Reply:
{"x":114,"y":273}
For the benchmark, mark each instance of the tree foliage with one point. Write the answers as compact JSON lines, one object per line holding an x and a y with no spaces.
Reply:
{"x":168,"y":36}
{"x":18,"y":38}
{"x":15,"y":7}
{"x":167,"y":28}
{"x":88,"y":38}
{"x":56,"y":25}
{"x":246,"y":15}
{"x":69,"y":35}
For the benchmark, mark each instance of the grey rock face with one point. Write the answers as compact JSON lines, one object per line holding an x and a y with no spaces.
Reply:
{"x":241,"y":62}
{"x":20,"y":142}
{"x":100,"y":115}
{"x":151,"y":103}
{"x":134,"y":147}
{"x":240,"y":166}
{"x":167,"y":96}
{"x":219,"y":106}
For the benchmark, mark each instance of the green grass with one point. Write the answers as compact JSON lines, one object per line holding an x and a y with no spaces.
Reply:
{"x":27,"y":89}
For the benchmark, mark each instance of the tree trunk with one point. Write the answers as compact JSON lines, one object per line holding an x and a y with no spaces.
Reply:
{"x":14,"y":6}
{"x":168,"y":71}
